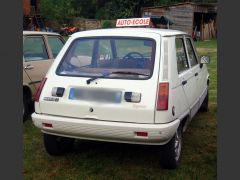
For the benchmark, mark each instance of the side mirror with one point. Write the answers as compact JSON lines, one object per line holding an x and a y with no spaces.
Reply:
{"x":205,"y":60}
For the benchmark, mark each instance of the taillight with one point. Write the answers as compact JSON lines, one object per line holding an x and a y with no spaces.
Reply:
{"x":48,"y":125}
{"x":143,"y":134}
{"x":39,"y":90}
{"x":162,"y":103}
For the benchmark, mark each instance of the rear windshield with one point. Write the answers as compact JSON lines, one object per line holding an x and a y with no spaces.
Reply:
{"x":113,"y":57}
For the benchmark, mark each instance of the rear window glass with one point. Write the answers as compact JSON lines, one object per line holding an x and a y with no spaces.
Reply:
{"x":191,"y":54}
{"x":56,"y":45}
{"x":126,"y":58}
{"x":182,"y":62}
{"x":34,"y":49}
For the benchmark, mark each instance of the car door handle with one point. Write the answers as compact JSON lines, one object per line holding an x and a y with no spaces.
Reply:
{"x":28,"y":67}
{"x":196,"y":74}
{"x":184,"y":82}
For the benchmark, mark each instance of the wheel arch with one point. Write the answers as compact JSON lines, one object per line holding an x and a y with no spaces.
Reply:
{"x":184,"y":122}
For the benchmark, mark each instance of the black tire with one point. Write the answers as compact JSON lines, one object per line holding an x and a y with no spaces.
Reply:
{"x":204,"y":106}
{"x":57,"y":145}
{"x":170,"y":153}
{"x":25,"y":108}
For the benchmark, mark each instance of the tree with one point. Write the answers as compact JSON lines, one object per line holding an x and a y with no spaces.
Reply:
{"x":60,"y":10}
{"x":107,"y":24}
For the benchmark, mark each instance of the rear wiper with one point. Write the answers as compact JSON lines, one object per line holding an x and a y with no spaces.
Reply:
{"x":94,"y":78}
{"x":115,"y":72}
{"x":129,"y":72}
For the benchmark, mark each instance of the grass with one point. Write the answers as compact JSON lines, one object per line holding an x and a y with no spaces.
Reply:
{"x":207,"y":44}
{"x":100,"y":160}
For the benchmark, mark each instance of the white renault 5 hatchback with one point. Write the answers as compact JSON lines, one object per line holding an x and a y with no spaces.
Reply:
{"x":127,"y":85}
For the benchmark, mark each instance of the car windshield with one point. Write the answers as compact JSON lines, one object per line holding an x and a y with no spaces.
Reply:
{"x":109,"y":57}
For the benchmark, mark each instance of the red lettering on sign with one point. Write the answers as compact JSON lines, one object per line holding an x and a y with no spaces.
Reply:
{"x":147,"y":21}
{"x":133,"y":22}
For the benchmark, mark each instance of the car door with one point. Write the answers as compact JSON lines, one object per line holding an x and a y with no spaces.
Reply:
{"x":199,"y":72}
{"x":185,"y":74}
{"x":194,"y":64}
{"x":37,"y":58}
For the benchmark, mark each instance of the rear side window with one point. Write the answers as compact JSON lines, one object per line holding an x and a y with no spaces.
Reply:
{"x":55,"y":44}
{"x":109,"y":57}
{"x":191,"y":54}
{"x":34,"y":49}
{"x":136,"y":48}
{"x":182,"y":63}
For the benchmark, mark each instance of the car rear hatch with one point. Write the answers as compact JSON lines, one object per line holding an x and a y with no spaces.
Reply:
{"x":112,"y":80}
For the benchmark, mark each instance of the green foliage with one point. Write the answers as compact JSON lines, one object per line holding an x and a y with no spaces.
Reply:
{"x":106,"y":24}
{"x":60,"y":10}
{"x":85,"y":8}
{"x":100,"y":9}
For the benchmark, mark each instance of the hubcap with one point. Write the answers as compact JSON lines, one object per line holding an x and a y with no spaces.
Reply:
{"x":178,"y":146}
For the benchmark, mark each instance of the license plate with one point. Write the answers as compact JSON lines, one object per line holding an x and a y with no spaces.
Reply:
{"x":96,"y":95}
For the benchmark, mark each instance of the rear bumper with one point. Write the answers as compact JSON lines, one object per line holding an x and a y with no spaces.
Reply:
{"x":106,"y":131}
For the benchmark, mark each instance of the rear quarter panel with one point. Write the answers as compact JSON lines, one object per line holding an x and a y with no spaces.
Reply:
{"x":168,"y":73}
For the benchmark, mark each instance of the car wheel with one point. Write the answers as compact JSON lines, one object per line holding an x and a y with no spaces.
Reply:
{"x":25,"y":108}
{"x":170,"y":153}
{"x":204,"y":106}
{"x":57,"y":145}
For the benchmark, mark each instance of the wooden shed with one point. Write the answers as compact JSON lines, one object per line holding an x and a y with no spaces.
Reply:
{"x":31,"y":13}
{"x":26,"y":7}
{"x":30,"y":7}
{"x":197,"y":19}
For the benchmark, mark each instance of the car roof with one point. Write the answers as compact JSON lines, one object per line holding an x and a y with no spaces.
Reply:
{"x":38,"y":33}
{"x":162,"y":32}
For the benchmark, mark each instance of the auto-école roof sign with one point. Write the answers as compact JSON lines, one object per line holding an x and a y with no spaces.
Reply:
{"x":133,"y":22}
